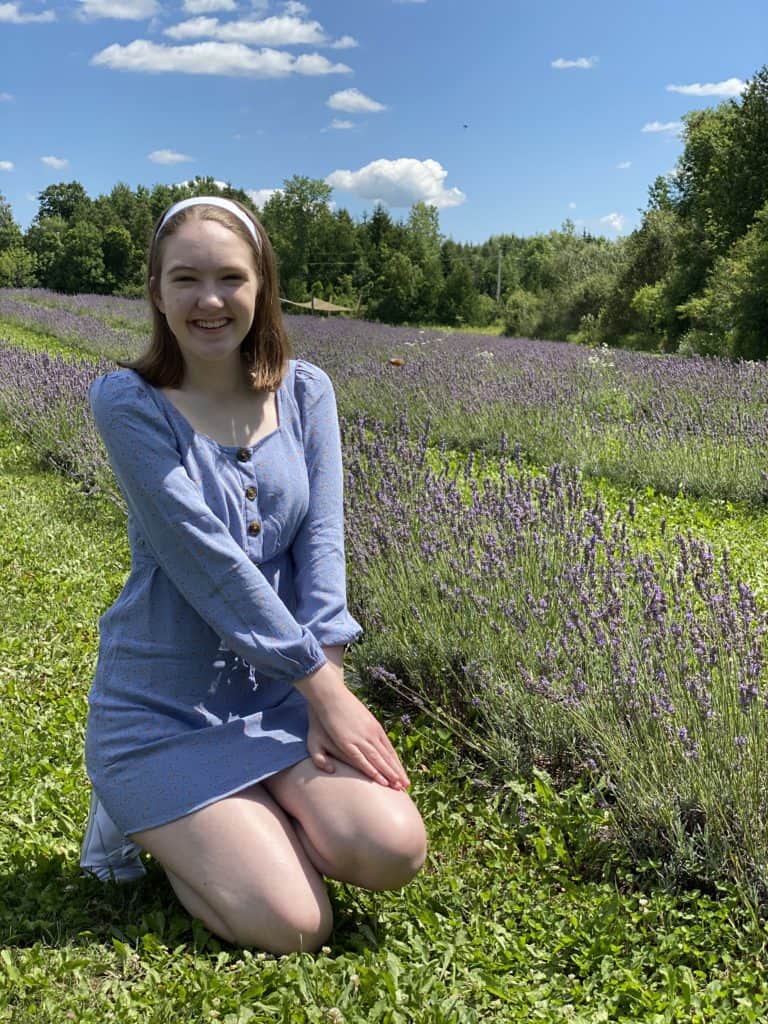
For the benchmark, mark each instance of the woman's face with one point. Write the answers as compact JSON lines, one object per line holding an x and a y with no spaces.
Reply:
{"x":207,"y":289}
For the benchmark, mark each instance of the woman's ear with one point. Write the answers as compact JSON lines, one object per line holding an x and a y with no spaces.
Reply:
{"x":154,"y":291}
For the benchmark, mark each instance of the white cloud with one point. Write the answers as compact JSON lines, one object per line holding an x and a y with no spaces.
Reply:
{"x":294,"y":7}
{"x":345,"y":43}
{"x":352,"y":101}
{"x":193,"y":28}
{"x":168,"y":156}
{"x":585,"y":63}
{"x":126,"y":10}
{"x":614,"y":220}
{"x":6,"y":165}
{"x":11,"y":13}
{"x":259,"y":196}
{"x":730,"y":87}
{"x":5,"y":97}
{"x":399,"y":183}
{"x":213,"y":59}
{"x":670,"y":127}
{"x":624,"y":165}
{"x":571,"y":206}
{"x":55,"y":161}
{"x":274,"y":31}
{"x":337,"y":122}
{"x":208,"y":6}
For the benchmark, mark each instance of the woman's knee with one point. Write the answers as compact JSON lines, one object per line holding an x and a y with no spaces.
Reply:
{"x":388,"y":855}
{"x":278,"y":923}
{"x":239,"y":867}
{"x":298,"y":924}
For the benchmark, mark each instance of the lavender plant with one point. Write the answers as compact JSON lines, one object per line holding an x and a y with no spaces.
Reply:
{"x":45,"y":398}
{"x":521,"y":613}
{"x":515,"y":609}
{"x":697,"y":425}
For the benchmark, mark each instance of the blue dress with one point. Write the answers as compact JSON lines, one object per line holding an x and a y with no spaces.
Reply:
{"x":237,"y":582}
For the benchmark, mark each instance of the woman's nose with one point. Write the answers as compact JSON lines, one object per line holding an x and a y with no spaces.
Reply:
{"x":209,"y":298}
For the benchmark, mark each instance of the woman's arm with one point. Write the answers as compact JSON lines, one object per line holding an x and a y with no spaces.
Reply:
{"x":317,"y":549}
{"x":340,"y":726}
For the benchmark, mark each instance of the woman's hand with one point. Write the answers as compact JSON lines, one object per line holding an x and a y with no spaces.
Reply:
{"x":341,"y":726}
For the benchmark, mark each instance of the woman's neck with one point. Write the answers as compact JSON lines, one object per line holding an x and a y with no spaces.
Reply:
{"x":215,"y":380}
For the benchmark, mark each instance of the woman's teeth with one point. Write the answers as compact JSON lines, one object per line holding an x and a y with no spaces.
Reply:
{"x":210,"y":325}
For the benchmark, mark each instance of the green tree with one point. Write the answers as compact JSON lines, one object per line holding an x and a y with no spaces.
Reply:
{"x":79,"y":266}
{"x":644,"y":258}
{"x":459,"y":301}
{"x":730,"y":317}
{"x":293,"y":217}
{"x":378,"y":236}
{"x":423,"y":247}
{"x":66,"y":200}
{"x":10,"y":233}
{"x":17,"y":268}
{"x":45,"y":240}
{"x":423,"y":229}
{"x":522,"y":314}
{"x":396,"y":289}
{"x":118,"y":257}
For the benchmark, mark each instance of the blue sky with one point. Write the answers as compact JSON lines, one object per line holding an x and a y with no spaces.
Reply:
{"x":571,"y":108}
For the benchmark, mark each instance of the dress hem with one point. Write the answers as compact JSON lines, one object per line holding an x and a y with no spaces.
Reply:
{"x":210,"y":800}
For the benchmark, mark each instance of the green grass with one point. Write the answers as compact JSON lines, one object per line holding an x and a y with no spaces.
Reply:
{"x":524,"y":910}
{"x":38,"y":340}
{"x":527,"y":909}
{"x":493,"y":330}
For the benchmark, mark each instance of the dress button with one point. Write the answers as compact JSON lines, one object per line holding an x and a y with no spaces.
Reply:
{"x":254,"y":528}
{"x":243,"y":454}
{"x":251,"y":492}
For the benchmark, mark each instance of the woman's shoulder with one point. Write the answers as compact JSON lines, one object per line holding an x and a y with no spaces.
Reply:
{"x":116,"y":381}
{"x":117,"y":387}
{"x":313,"y":378}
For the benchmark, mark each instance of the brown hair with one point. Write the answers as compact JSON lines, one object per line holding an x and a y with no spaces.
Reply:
{"x":265,"y":349}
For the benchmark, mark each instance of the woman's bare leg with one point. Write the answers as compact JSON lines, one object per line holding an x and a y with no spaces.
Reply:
{"x":239,"y":867}
{"x":354,"y":829}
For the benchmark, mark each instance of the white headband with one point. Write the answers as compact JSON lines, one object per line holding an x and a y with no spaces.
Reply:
{"x":225,"y":204}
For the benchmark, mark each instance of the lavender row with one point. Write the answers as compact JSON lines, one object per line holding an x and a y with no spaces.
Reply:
{"x":103,"y":307}
{"x":81,"y":329}
{"x":699,"y":425}
{"x":525,"y":615}
{"x":519,"y":612}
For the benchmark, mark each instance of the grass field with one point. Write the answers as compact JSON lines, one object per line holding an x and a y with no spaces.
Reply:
{"x":532,"y":904}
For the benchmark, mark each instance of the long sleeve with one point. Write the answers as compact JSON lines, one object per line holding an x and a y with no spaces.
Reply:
{"x":317,"y":550}
{"x":191,"y":544}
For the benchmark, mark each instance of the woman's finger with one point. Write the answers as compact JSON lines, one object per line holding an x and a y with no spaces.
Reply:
{"x":389,"y":755}
{"x":384,"y":771}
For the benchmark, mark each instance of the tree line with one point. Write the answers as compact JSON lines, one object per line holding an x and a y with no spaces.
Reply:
{"x":691,"y":278}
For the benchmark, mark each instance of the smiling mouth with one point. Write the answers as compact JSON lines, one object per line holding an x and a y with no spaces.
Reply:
{"x":210,"y":325}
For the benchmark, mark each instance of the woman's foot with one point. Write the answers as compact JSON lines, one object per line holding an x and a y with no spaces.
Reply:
{"x":106,"y":852}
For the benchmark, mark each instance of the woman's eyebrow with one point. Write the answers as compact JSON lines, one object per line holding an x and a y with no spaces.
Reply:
{"x":183,"y":266}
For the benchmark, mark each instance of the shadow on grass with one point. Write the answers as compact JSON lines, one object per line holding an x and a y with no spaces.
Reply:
{"x":52,"y":902}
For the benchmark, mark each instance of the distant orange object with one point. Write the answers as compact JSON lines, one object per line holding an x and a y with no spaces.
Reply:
{"x":396,"y":361}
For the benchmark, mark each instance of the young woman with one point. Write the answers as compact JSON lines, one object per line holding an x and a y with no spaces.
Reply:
{"x":221,"y":737}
